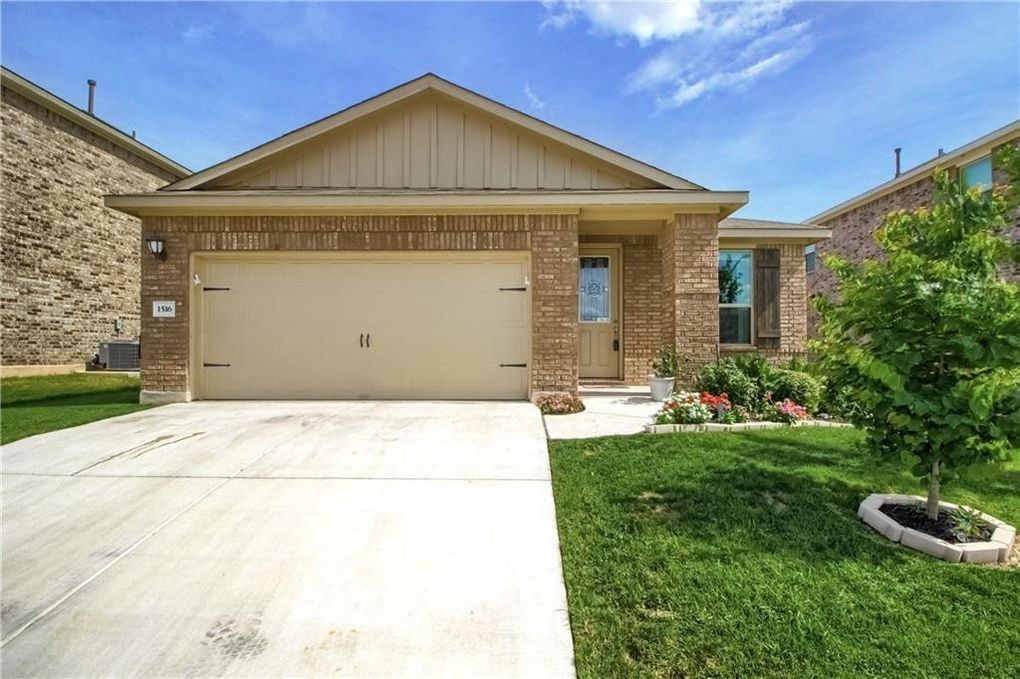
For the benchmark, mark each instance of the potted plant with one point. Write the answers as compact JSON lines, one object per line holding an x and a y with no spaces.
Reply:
{"x":666,"y":367}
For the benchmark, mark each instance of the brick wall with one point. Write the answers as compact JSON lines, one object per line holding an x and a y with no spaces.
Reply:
{"x":690,"y":280}
{"x":641,"y":326}
{"x":853,"y":234}
{"x":551,"y":239}
{"x":70,"y":265}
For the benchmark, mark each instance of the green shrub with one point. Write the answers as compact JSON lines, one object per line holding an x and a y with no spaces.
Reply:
{"x":725,"y":377}
{"x":761,"y":372}
{"x":799,"y":387}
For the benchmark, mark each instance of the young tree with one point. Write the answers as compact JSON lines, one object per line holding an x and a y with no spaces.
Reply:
{"x":927,"y":340}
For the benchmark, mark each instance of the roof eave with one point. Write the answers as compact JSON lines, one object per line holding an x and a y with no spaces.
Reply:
{"x":793,"y":235}
{"x":961,"y":155}
{"x":50,"y":101}
{"x":596,"y":203}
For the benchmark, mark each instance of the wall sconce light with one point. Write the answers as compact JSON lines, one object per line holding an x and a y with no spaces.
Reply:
{"x":157,"y":247}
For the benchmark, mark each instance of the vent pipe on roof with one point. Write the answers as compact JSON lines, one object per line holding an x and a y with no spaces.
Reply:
{"x":897,"y":151}
{"x":941,"y":152}
{"x":92,"y":97}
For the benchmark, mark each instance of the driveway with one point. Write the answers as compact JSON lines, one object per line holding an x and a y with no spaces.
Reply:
{"x":282,"y":539}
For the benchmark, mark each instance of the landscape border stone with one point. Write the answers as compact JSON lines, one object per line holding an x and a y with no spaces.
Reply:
{"x":740,"y":426}
{"x":994,"y":550}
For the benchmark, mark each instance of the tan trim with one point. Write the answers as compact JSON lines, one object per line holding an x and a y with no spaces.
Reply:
{"x":426,"y":82}
{"x":665,"y":202}
{"x":36,"y":370}
{"x":965,"y":154}
{"x":791,"y":235}
{"x":33,"y":92}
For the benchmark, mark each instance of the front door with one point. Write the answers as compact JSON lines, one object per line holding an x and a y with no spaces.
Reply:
{"x":598,"y":310}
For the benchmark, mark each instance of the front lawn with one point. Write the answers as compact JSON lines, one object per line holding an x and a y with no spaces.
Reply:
{"x":741,"y":555}
{"x":33,"y":405}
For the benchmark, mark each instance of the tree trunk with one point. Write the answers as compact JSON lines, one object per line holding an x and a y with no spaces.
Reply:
{"x":933,"y":491}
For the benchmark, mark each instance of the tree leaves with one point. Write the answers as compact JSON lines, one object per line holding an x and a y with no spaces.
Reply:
{"x":927,"y":339}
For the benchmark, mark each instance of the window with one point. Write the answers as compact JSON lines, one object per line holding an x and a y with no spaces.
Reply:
{"x":978,"y":173}
{"x":810,"y":258}
{"x":593,"y":290}
{"x":735,"y":295}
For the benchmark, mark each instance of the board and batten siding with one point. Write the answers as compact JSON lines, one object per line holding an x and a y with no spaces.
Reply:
{"x":432,"y":142}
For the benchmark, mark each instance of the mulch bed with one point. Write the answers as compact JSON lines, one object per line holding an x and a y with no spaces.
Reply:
{"x":914,"y":516}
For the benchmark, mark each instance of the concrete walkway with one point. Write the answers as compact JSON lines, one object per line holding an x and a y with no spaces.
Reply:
{"x":608,"y":411}
{"x":285,"y":539}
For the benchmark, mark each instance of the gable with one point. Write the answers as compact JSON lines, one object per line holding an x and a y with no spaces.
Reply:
{"x":432,"y":141}
{"x":431,"y":134}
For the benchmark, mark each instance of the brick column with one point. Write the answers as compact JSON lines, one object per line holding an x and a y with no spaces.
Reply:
{"x":690,"y":265}
{"x":165,"y":341}
{"x":792,"y":301}
{"x":554,"y":325}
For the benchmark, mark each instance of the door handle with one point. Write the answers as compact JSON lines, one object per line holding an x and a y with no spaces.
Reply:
{"x":361,"y":340}
{"x":368,"y":340}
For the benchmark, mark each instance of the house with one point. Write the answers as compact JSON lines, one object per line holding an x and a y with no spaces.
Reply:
{"x":432,"y":243}
{"x":853,"y":222}
{"x":71,"y":273}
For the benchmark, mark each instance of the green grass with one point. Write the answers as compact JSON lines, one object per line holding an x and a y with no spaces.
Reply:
{"x":740,"y":555}
{"x":33,"y":405}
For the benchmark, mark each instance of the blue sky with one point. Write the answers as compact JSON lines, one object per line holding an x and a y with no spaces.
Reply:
{"x":800,"y":103}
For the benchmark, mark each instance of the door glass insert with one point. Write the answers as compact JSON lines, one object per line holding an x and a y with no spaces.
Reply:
{"x":594,"y":290}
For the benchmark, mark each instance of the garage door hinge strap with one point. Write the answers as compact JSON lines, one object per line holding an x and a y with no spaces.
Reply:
{"x":513,"y":365}
{"x":520,"y":289}
{"x":213,"y":289}
{"x":215,"y":365}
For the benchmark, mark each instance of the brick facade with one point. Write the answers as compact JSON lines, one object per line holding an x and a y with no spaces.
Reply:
{"x":552,"y":241}
{"x":70,"y":265}
{"x":690,"y":282}
{"x":853,"y":234}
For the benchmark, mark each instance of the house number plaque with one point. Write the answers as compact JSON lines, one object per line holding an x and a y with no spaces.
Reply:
{"x":164,"y":309}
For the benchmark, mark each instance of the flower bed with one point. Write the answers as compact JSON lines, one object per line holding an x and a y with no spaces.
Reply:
{"x":704,"y":411}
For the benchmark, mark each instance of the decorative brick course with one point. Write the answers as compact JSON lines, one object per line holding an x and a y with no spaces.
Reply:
{"x":551,"y":239}
{"x":70,"y":265}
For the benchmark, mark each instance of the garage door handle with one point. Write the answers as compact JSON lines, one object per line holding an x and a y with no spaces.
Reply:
{"x":361,"y":340}
{"x":215,"y":365}
{"x":513,"y":365}
{"x":515,"y":289}
{"x":368,"y":340}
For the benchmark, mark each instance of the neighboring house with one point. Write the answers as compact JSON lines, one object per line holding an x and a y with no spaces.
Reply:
{"x":854,"y":222}
{"x":70,"y":265}
{"x":432,"y":243}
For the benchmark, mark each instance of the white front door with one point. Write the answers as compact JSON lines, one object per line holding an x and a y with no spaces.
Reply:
{"x":598,"y":310}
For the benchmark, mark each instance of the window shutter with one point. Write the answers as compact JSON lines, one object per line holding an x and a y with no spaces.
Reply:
{"x":766,"y":293}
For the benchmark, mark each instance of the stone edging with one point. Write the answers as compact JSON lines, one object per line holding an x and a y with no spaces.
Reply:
{"x":996,"y":550}
{"x":741,"y":426}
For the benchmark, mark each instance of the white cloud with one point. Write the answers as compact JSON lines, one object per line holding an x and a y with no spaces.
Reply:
{"x":195,"y":32}
{"x":705,"y":47}
{"x":643,"y":21}
{"x":536,"y":101}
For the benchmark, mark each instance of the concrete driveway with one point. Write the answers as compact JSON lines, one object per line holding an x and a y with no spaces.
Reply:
{"x":282,"y":539}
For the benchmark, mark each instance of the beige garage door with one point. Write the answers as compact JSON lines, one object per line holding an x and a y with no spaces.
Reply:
{"x":453,"y":326}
